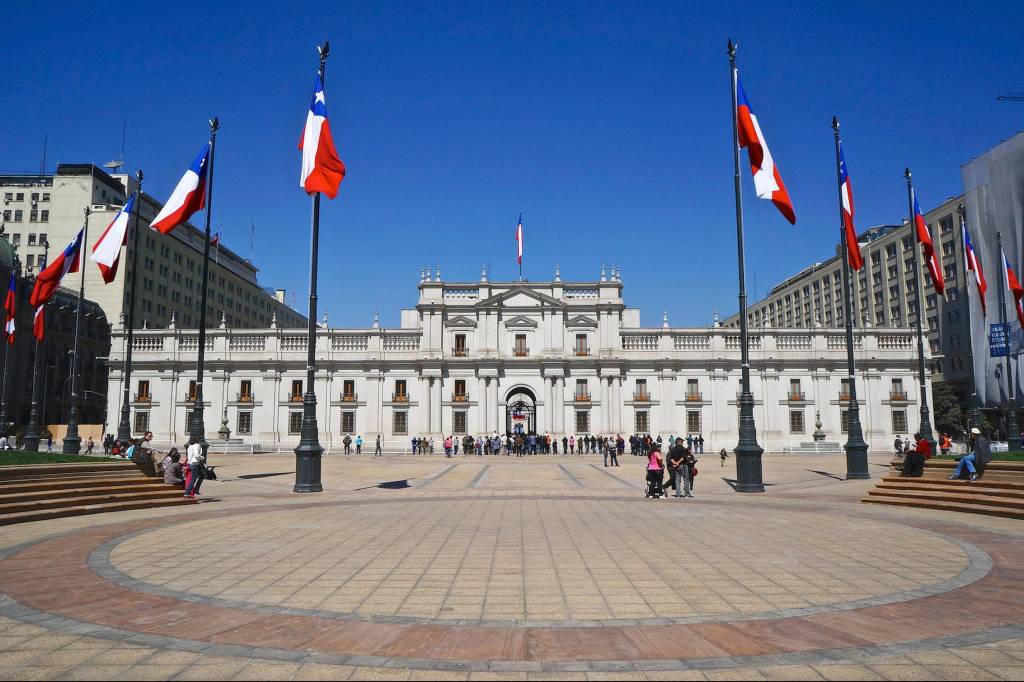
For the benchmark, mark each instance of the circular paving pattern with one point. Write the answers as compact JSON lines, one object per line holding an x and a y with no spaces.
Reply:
{"x":540,"y":562}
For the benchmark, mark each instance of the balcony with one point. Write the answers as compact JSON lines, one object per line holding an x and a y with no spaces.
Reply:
{"x":796,"y":396}
{"x":190,"y":397}
{"x":349,"y":397}
{"x":459,"y":397}
{"x":582,"y":352}
{"x":399,"y":397}
{"x":582,"y":397}
{"x":460,"y":353}
{"x":295,"y":398}
{"x":694,"y":397}
{"x":521,"y":352}
{"x":844,"y":396}
{"x":244,"y":398}
{"x":898,"y":396}
{"x":641,"y":397}
{"x":144,"y":398}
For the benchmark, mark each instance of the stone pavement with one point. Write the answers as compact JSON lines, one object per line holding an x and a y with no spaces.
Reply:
{"x":505,"y":568}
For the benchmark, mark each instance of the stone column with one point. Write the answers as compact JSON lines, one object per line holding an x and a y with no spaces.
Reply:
{"x":560,"y":405}
{"x":424,"y":407}
{"x":435,"y":405}
{"x":483,"y":407}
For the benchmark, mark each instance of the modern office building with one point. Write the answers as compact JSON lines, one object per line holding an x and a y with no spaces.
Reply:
{"x":49,"y":207}
{"x":884,"y":294}
{"x":565,"y":358}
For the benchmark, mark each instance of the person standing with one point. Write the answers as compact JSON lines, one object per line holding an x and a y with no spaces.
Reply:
{"x":723,"y":454}
{"x":196,"y":461}
{"x":359,"y":445}
{"x":700,"y":443}
{"x":572,"y":445}
{"x":655,"y":472}
{"x":49,"y":442}
{"x":676,"y":457}
{"x":347,"y":442}
{"x":89,"y":446}
{"x":377,"y":450}
{"x":898,"y":446}
{"x":613,"y":449}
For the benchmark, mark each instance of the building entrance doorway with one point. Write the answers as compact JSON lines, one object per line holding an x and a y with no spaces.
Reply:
{"x":520,"y":412}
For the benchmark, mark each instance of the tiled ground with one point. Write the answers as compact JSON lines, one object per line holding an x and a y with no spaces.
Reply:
{"x":504,"y":568}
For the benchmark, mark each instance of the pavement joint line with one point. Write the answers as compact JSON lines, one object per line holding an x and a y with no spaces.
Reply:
{"x":436,"y":476}
{"x":577,"y":482}
{"x":479,"y":477}
{"x":611,"y":475}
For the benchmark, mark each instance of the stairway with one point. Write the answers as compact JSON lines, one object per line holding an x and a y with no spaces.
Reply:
{"x":1000,"y":492}
{"x":50,"y":491}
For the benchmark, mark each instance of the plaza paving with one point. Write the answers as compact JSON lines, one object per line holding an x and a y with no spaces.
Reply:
{"x":504,"y":568}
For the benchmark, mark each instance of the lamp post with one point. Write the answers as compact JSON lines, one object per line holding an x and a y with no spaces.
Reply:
{"x":32,"y":434}
{"x":1013,"y":441}
{"x":925,"y":414}
{"x":72,"y":441}
{"x":748,"y":452}
{"x":124,"y":427}
{"x":4,"y":418}
{"x":856,"y":448}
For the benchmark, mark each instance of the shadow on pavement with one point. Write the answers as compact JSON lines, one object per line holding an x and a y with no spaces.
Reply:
{"x":280,"y":473}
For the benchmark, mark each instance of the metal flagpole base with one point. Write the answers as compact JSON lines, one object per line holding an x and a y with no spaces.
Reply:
{"x":748,"y":453}
{"x":856,"y":460}
{"x":72,"y":443}
{"x":308,"y":453}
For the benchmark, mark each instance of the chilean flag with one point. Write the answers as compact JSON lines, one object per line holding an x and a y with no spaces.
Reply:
{"x":107,"y":250}
{"x":767,"y":179}
{"x":846,"y":191}
{"x":9,"y":310}
{"x":519,"y":239}
{"x":188,"y":197}
{"x":322,"y":169}
{"x":1013,"y":284}
{"x":49,"y":279}
{"x":39,"y":323}
{"x":925,"y":237}
{"x":974,"y":265}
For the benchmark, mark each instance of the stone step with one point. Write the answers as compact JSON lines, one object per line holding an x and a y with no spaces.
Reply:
{"x":983,"y":482}
{"x":9,"y":508}
{"x":57,"y":484}
{"x":1006,"y":512}
{"x":81,"y":510}
{"x":32,"y":470}
{"x":995,"y":465}
{"x":7,"y":496}
{"x":957,"y":496}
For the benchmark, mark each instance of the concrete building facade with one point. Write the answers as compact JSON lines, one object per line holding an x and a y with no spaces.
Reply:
{"x":565,"y":358}
{"x":49,"y":207}
{"x":884,"y":294}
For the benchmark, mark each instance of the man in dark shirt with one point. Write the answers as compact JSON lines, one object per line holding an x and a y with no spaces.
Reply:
{"x":676,"y":458}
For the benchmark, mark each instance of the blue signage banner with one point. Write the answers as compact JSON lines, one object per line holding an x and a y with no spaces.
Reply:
{"x":998,"y":340}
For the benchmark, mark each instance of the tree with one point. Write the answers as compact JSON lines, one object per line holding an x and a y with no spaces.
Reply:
{"x":949,"y":416}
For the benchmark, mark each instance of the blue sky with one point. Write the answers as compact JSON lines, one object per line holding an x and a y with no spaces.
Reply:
{"x":607,"y":123}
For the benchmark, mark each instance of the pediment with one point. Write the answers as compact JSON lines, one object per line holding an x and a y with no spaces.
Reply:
{"x":581,"y":321}
{"x":520,"y":298}
{"x":460,"y":321}
{"x":520,"y":322}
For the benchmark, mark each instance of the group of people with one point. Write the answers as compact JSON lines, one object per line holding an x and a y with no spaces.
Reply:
{"x":972,"y":464}
{"x":522,"y":444}
{"x":190,"y":476}
{"x":680,"y":465}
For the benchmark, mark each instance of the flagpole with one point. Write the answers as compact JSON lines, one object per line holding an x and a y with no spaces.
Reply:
{"x":197,"y":428}
{"x":72,"y":441}
{"x":1013,"y":441}
{"x":3,"y":387}
{"x":748,"y":452}
{"x":856,"y":448}
{"x":925,"y":430}
{"x":309,"y":451}
{"x":124,"y":427}
{"x":31,"y":441}
{"x":974,"y":409}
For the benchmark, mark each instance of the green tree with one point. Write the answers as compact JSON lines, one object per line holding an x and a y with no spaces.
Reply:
{"x":949,"y":416}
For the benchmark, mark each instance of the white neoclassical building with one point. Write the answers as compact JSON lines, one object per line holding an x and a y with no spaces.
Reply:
{"x":566,"y":358}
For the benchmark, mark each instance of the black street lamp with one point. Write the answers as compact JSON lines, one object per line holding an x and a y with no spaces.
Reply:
{"x":124,"y":427}
{"x":1013,"y":440}
{"x":72,"y":441}
{"x":925,"y":415}
{"x":31,"y":440}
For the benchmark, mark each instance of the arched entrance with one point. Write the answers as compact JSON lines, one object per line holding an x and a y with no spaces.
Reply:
{"x":520,"y":411}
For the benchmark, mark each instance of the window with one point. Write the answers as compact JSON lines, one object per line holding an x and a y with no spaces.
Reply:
{"x":899,"y":421}
{"x":33,"y":216}
{"x":188,"y":421}
{"x":897,"y":392}
{"x":7,"y":216}
{"x":582,"y":392}
{"x":844,"y":421}
{"x":348,"y":422}
{"x":143,"y":394}
{"x":46,"y":196}
{"x":460,"y":345}
{"x":844,"y":389}
{"x":30,"y":261}
{"x":581,"y":345}
{"x":794,"y":390}
{"x":191,"y":390}
{"x":796,"y":421}
{"x":400,"y":423}
{"x":692,"y":389}
{"x":296,"y":394}
{"x":18,"y":215}
{"x":31,"y":239}
{"x":20,"y":196}
{"x":460,"y":390}
{"x":244,"y":425}
{"x":459,"y":421}
{"x":400,"y":394}
{"x":348,"y":390}
{"x":141,"y":422}
{"x":245,"y":394}
{"x":693,"y":424}
{"x":582,"y":421}
{"x":641,"y":391}
{"x":294,"y":423}
{"x":521,"y":350}
{"x":641,"y":422}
